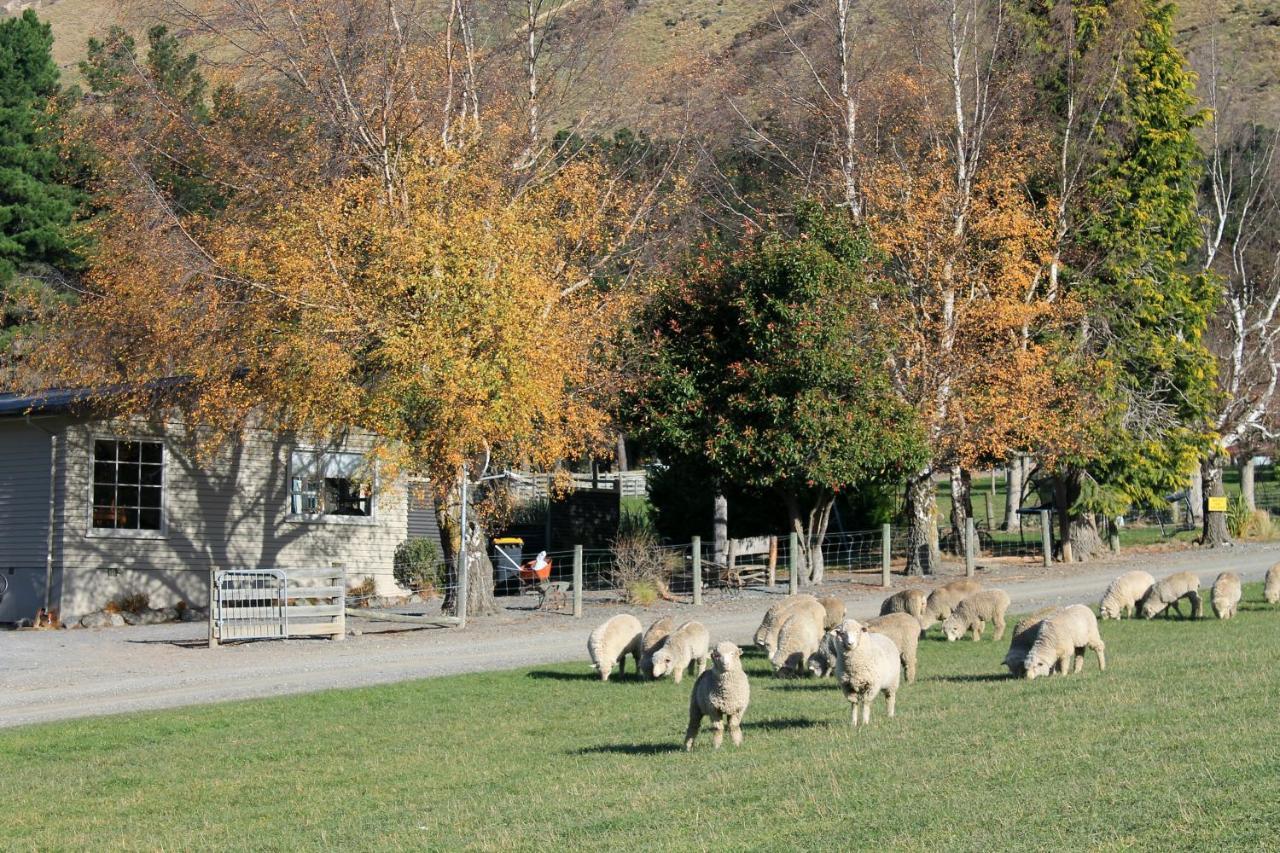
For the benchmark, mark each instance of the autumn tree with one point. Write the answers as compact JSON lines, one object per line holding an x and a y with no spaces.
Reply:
{"x":765,"y":367}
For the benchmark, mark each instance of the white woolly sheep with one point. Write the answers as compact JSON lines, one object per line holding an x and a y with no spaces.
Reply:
{"x":721,"y":693}
{"x":1225,"y":596}
{"x":823,"y":662}
{"x":687,"y":644}
{"x":834,"y":609}
{"x":974,"y":612}
{"x":1124,"y":593}
{"x":1024,"y":637}
{"x":1166,"y":595}
{"x":1271,"y":590}
{"x":612,"y":641}
{"x":797,"y":641}
{"x":904,"y":630}
{"x":869,"y":664}
{"x":944,"y":599}
{"x":767,"y":634}
{"x":1062,"y":637}
{"x":651,"y":642}
{"x":905,"y":601}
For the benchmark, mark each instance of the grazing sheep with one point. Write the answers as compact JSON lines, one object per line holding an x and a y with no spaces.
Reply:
{"x":974,"y":612}
{"x":1166,"y":595}
{"x":1225,"y":596}
{"x":721,"y":693}
{"x":611,"y":643}
{"x":944,"y":599}
{"x":1124,"y":594}
{"x":651,"y":642}
{"x":686,"y":644}
{"x":797,"y":641}
{"x":869,"y":663}
{"x":834,"y":609}
{"x":904,"y":630}
{"x":767,"y":634}
{"x":1271,"y":591}
{"x":1024,"y":637}
{"x":907,"y":601}
{"x":1062,"y":637}
{"x":823,"y":662}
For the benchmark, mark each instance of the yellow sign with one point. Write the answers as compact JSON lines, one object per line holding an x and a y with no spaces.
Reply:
{"x":1217,"y":504}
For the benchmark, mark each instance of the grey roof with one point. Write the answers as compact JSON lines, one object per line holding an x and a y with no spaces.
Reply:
{"x":56,"y":401}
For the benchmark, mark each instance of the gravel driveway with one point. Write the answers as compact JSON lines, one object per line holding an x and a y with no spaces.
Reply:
{"x":51,"y":675}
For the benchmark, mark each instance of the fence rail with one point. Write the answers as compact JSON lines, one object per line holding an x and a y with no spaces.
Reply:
{"x":532,"y":486}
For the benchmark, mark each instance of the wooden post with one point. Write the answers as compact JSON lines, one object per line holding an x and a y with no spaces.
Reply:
{"x":990,"y":502}
{"x":213,"y":591}
{"x":696,"y":547}
{"x":970,"y":540}
{"x":885,"y":540}
{"x":793,"y":563}
{"x":773,"y":561}
{"x":1113,"y":535}
{"x":1046,"y":537}
{"x":730,"y":560}
{"x":577,"y":581}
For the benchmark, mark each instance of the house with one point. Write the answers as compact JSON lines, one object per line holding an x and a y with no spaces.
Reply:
{"x":93,"y":509}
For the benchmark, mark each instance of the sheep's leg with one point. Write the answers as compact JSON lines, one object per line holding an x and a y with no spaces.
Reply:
{"x":909,"y":664}
{"x":978,"y":628}
{"x":1064,"y":664}
{"x":735,"y":729}
{"x":677,"y":674}
{"x":866,"y":709}
{"x":1197,"y":606}
{"x":891,"y":699}
{"x":999,"y":620}
{"x":622,"y":664}
{"x":695,"y":723}
{"x":853,"y":713}
{"x":717,"y":729}
{"x":1100,"y":649}
{"x":1079,"y":659}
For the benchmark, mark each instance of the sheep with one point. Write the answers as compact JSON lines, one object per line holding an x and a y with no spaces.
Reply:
{"x":767,"y":634}
{"x":1024,"y":637}
{"x":612,"y":641}
{"x":904,"y":630}
{"x":1124,"y":594}
{"x":944,"y":599}
{"x":834,"y":608}
{"x":869,"y":663}
{"x":721,"y":693}
{"x":907,"y":601}
{"x":1225,"y":596}
{"x":797,"y":641}
{"x":823,"y":662}
{"x":974,"y":612}
{"x":1167,"y":594}
{"x":1064,"y":636}
{"x":651,"y":642}
{"x":688,"y":643}
{"x":1271,"y":592}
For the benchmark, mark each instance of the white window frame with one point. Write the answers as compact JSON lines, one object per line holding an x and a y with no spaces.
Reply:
{"x":326,"y":518}
{"x":125,"y":533}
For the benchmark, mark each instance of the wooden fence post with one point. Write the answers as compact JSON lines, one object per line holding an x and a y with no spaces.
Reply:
{"x":970,"y":537}
{"x":213,"y":593}
{"x":990,"y":504}
{"x":696,"y":546}
{"x":577,"y":581}
{"x":773,"y":561}
{"x":793,"y":563}
{"x":886,"y":538}
{"x":1046,"y":537}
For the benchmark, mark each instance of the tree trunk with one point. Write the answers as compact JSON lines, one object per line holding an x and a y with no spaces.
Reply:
{"x":1013,"y":498}
{"x":622,"y":452}
{"x":1078,"y":535}
{"x":961,"y":507}
{"x":1247,"y":490}
{"x":480,"y":601}
{"x":1214,"y":531}
{"x":720,"y":530}
{"x":1195,"y":496}
{"x":809,"y":523}
{"x":923,"y":555}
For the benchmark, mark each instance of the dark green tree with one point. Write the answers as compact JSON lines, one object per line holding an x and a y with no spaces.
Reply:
{"x":765,"y":368}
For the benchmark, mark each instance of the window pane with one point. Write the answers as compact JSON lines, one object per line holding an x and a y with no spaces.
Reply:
{"x":103,"y":495}
{"x":126,"y":518}
{"x":128,"y":451}
{"x":149,"y":519}
{"x":104,"y":472}
{"x":152,"y":475}
{"x":149,"y":498}
{"x":104,"y":516}
{"x":126,"y":495}
{"x":104,"y":451}
{"x":153,"y":451}
{"x":127,"y":474}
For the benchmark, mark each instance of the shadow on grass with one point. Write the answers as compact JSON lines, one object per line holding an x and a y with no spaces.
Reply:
{"x":556,"y":675}
{"x":665,"y":747}
{"x":630,"y":749}
{"x":961,"y":679}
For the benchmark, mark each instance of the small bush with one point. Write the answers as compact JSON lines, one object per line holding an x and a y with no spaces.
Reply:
{"x":1239,"y":517}
{"x":641,"y":567}
{"x":1262,"y":525}
{"x":134,"y":602}
{"x":642,"y":593}
{"x":417,"y":567}
{"x":359,"y":593}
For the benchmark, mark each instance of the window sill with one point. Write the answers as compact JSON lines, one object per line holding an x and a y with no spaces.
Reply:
{"x":358,"y":520}
{"x":108,"y":533}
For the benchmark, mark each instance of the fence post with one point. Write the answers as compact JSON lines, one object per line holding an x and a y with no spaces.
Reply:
{"x":1113,"y":535}
{"x":773,"y":561}
{"x":213,"y":594}
{"x":885,"y":540}
{"x":793,"y":563}
{"x":1046,"y":537}
{"x":696,"y":545}
{"x":990,"y":505}
{"x":577,"y":581}
{"x":970,"y":535}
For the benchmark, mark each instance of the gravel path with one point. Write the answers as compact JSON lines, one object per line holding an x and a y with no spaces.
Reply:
{"x":52,"y":675}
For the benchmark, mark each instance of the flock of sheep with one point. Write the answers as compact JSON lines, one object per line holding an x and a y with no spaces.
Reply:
{"x":804,"y":635}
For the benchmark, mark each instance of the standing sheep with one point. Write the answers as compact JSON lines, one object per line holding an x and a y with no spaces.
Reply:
{"x":973,"y":614}
{"x":767,"y":634}
{"x":1064,"y":636}
{"x":687,"y":644}
{"x":1225,"y":596}
{"x":1166,"y":595}
{"x":1124,"y":594}
{"x":651,"y":642}
{"x":721,"y":693}
{"x":904,"y":630}
{"x":944,"y":599}
{"x":611,"y":642}
{"x":1271,"y":590}
{"x":797,"y":641}
{"x":869,"y":663}
{"x":1024,"y":637}
{"x":834,"y":609}
{"x":906,"y":601}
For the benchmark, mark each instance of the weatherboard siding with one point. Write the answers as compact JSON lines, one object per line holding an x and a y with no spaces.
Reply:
{"x":25,"y":457}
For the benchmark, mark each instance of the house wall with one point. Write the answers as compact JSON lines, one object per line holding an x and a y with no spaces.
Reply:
{"x":26,"y":449}
{"x":227,"y":511}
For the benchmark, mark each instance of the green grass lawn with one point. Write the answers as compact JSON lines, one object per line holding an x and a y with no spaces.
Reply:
{"x":1176,"y":745}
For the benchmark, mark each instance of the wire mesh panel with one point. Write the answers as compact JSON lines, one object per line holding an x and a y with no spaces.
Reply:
{"x":250,"y":604}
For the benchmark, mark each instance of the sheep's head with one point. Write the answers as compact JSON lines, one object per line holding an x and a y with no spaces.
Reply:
{"x":1109,"y":609}
{"x":819,"y":665}
{"x":1151,"y":607}
{"x":726,"y":657}
{"x":662,"y":662}
{"x":850,"y":633}
{"x":954,"y":627}
{"x":1035,"y":666}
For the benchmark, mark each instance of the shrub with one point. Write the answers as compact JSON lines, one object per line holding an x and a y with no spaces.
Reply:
{"x":359,"y":593}
{"x":134,"y":602}
{"x":417,"y":567}
{"x":1262,"y":525}
{"x":641,"y":567}
{"x":1239,"y":517}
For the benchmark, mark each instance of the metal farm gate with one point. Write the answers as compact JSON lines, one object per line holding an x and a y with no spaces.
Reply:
{"x":274,"y":604}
